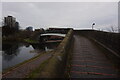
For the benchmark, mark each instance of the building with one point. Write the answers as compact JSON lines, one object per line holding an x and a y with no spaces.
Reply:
{"x":10,"y":26}
{"x":17,"y":25}
{"x":9,"y":21}
{"x":29,"y":28}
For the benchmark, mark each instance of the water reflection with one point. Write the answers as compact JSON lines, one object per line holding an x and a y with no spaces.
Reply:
{"x":15,"y":53}
{"x":9,"y":51}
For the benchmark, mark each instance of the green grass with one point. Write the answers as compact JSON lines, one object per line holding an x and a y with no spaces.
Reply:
{"x":30,"y":41}
{"x":36,"y":73}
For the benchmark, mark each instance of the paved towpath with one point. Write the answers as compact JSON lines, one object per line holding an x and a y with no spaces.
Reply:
{"x":88,"y":61}
{"x":25,"y":69}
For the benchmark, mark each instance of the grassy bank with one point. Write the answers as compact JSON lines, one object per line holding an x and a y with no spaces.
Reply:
{"x":35,"y":73}
{"x":15,"y":39}
{"x":30,"y":41}
{"x":21,"y":36}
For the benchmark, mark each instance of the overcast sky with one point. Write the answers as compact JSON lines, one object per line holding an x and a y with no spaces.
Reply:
{"x":63,"y":14}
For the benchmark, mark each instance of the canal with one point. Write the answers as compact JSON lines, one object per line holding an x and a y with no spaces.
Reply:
{"x":15,"y":53}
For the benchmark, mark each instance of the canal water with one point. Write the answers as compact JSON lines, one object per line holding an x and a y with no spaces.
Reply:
{"x":15,"y":53}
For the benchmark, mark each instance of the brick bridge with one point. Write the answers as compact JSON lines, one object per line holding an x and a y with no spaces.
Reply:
{"x":81,"y":54}
{"x":94,"y":55}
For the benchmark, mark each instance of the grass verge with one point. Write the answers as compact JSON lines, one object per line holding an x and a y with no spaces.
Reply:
{"x":36,"y":73}
{"x":30,"y":41}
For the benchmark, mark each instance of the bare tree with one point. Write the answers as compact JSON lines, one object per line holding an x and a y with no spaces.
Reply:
{"x":112,"y":29}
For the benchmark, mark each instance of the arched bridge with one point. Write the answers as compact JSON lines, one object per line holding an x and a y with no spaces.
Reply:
{"x":51,"y":37}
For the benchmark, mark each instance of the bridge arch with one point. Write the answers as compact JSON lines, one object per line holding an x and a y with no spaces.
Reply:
{"x":51,"y":37}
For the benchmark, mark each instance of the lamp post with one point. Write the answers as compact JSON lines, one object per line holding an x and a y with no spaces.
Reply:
{"x":93,"y":25}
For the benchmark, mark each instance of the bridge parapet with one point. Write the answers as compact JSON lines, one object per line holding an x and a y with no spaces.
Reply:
{"x":111,"y":40}
{"x":56,"y":64}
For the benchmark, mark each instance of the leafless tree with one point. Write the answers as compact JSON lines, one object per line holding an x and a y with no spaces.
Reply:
{"x":112,"y":29}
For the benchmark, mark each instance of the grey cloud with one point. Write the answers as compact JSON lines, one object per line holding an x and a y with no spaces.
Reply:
{"x":77,"y":15}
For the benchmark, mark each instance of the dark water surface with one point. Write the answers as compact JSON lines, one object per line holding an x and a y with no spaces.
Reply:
{"x":15,"y":53}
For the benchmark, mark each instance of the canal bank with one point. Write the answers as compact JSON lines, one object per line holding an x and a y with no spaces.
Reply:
{"x":23,"y":69}
{"x":50,"y":58}
{"x":15,"y":53}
